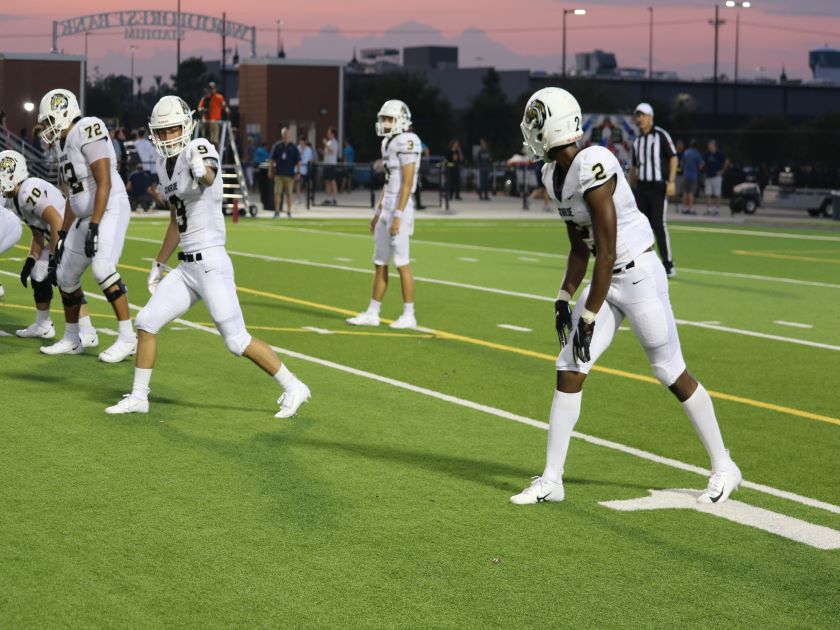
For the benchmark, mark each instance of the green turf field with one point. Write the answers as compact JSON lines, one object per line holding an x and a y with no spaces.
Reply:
{"x":384,"y":503}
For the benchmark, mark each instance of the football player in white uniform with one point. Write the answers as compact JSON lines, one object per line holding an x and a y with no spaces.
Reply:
{"x":628,"y":281}
{"x":10,"y":233}
{"x":95,"y":219}
{"x":189,"y":174}
{"x":393,"y":222}
{"x":41,"y":206}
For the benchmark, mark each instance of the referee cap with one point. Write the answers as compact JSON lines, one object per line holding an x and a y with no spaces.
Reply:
{"x":644,"y":108}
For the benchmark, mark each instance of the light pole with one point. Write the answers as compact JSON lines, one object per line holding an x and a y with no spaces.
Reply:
{"x":565,"y":13}
{"x":717,"y":23}
{"x":732,"y":4}
{"x":650,"y":46}
{"x":280,"y":52}
{"x":132,"y":49}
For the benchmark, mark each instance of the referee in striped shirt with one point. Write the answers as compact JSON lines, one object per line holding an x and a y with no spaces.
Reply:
{"x":653,"y":177}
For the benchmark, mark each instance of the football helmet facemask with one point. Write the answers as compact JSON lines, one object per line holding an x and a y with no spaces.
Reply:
{"x":552,"y":118}
{"x":400,"y":115}
{"x":12,"y":171}
{"x":171,"y":111}
{"x":58,"y":109}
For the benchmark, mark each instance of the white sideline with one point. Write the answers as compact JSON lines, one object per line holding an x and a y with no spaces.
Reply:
{"x":507,"y":415}
{"x":530,"y":296}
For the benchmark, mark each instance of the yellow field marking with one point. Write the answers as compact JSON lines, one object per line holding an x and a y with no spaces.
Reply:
{"x":541,"y":355}
{"x":827,"y":261}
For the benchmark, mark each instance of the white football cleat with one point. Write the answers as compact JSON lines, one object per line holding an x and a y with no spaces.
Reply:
{"x":129,"y":404}
{"x":64,"y":346}
{"x":540,"y":491}
{"x":364,"y":319}
{"x":89,"y":339}
{"x":291,"y":400}
{"x":405,"y":320}
{"x":41,"y":331}
{"x":2,"y":290}
{"x":722,"y":483}
{"x":118,"y":351}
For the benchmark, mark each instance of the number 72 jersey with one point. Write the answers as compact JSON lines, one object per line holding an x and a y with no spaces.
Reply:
{"x":198,"y":209}
{"x":593,"y":167}
{"x":87,"y":142}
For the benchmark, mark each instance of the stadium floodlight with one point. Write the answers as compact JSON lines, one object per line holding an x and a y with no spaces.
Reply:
{"x":565,"y":13}
{"x":580,"y":11}
{"x":29,"y":106}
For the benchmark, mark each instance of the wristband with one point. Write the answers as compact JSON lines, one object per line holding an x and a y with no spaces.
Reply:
{"x":587,"y":316}
{"x":398,"y":213}
{"x":564,"y":295}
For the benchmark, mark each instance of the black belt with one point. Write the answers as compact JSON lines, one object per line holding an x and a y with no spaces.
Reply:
{"x":631,"y":264}
{"x":189,"y":257}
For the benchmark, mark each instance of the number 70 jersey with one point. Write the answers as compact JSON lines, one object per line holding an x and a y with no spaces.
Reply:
{"x":198,"y":209}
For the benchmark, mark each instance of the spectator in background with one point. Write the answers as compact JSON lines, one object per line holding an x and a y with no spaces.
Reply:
{"x":714,"y":166}
{"x":304,"y":182}
{"x":539,"y":191}
{"x":692,"y":162}
{"x":146,"y":153}
{"x":680,"y":146}
{"x":454,"y":159}
{"x":119,"y":137}
{"x":484,"y":159}
{"x":425,"y":166}
{"x":118,"y":150}
{"x":210,"y":107}
{"x":284,"y":165}
{"x":330,"y":162}
{"x":248,"y":160}
{"x":143,"y":191}
{"x":261,"y":166}
{"x":348,"y":155}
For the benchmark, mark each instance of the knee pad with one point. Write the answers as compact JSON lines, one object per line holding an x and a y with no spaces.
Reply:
{"x":236,"y":340}
{"x":668,"y":371}
{"x":43,"y":290}
{"x":144,"y":322}
{"x":113,"y":296}
{"x":72,"y":298}
{"x":105,"y":273}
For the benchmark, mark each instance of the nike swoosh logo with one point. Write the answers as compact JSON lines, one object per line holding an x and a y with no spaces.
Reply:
{"x":638,"y":281}
{"x":543,"y":498}
{"x":570,"y":196}
{"x":717,"y":498}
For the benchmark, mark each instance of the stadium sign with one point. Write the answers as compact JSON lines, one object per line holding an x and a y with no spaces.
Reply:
{"x":154,"y":25}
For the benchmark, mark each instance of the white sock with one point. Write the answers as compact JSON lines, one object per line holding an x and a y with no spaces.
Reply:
{"x":565,"y":410}
{"x":408,"y":308}
{"x":85,"y":325}
{"x":701,"y":412}
{"x":42,"y":317}
{"x":374,"y":306}
{"x":142,"y":376}
{"x":126,"y":331}
{"x":285,"y":377}
{"x":71,"y":332}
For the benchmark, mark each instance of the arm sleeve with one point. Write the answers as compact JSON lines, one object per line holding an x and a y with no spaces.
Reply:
{"x":597,"y":167}
{"x":95,"y":150}
{"x":668,"y":148}
{"x":408,"y":149}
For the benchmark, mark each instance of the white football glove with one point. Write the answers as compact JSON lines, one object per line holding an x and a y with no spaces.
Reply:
{"x":155,"y":276}
{"x":196,"y":161}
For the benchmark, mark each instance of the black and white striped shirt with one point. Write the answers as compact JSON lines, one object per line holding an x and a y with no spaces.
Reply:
{"x":652,"y":153}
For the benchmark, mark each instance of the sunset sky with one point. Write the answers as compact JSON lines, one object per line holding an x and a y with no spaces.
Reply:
{"x":510,"y":34}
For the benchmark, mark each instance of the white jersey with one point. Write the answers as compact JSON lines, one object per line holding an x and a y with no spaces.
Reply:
{"x":35,"y":196}
{"x":398,"y":150}
{"x":87,"y":142}
{"x":198,"y":209}
{"x":591,"y":168}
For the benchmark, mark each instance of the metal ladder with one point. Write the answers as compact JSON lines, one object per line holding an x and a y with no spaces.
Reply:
{"x":234,"y":185}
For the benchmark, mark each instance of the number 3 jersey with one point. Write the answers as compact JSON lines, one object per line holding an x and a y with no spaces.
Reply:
{"x":198,"y":209}
{"x":397,"y":151}
{"x":593,"y":167}
{"x":87,"y":142}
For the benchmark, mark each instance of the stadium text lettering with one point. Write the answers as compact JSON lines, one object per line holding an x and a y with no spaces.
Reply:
{"x":154,"y":19}
{"x":154,"y":33}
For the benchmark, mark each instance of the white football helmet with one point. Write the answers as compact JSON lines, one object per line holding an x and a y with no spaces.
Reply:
{"x":399,"y":112}
{"x":552,"y":119}
{"x":59,"y":108}
{"x":12,"y":171}
{"x":171,"y":111}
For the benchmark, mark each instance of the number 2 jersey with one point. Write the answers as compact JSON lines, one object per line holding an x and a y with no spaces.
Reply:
{"x":87,"y":142}
{"x":35,"y":196}
{"x":593,"y":167}
{"x":397,"y":151}
{"x":198,"y":209}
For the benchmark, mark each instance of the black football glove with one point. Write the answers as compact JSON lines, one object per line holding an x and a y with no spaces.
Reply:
{"x":52,"y":267}
{"x":92,"y":240}
{"x":562,"y":321}
{"x":582,"y":339}
{"x":28,"y":265}
{"x":59,"y":247}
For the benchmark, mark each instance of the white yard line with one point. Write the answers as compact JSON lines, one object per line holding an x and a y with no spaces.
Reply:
{"x":515,"y":328}
{"x":466,"y":259}
{"x":789,"y":235}
{"x":507,"y":415}
{"x":752,"y":333}
{"x":781,"y":322}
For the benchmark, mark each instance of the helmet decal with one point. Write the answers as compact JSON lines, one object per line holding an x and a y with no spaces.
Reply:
{"x":59,"y":102}
{"x":535,"y":115}
{"x":8,"y":165}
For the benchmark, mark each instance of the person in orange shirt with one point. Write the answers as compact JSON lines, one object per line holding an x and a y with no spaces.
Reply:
{"x":210,"y":109}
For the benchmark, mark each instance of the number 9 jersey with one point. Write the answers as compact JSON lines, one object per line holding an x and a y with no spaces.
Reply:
{"x":198,"y":208}
{"x":87,"y":142}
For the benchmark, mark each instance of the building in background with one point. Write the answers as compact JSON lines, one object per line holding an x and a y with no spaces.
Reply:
{"x":430,"y":57}
{"x":825,"y":64}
